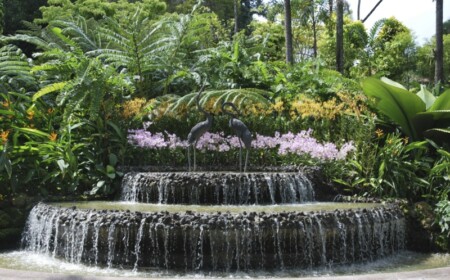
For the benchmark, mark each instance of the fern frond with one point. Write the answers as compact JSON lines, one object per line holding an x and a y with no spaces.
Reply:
{"x":49,"y":89}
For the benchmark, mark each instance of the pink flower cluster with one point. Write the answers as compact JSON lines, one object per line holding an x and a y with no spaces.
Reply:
{"x":300,"y":144}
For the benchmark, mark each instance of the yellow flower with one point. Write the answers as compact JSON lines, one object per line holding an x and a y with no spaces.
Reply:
{"x":278,"y":106}
{"x":6,"y":104}
{"x":4,"y":136}
{"x":53,"y":136}
{"x":133,"y":107}
{"x":30,"y":115}
{"x":379,"y":133}
{"x":405,"y":140}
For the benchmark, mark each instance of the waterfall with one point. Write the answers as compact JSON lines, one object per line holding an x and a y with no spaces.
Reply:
{"x":215,"y":241}
{"x":217,"y":188}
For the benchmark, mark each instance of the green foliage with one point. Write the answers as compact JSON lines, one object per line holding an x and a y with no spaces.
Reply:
{"x":14,"y":70}
{"x":425,"y":59}
{"x":442,"y":211}
{"x":408,"y":110}
{"x":393,"y":170}
{"x":2,"y":16}
{"x":120,"y":10}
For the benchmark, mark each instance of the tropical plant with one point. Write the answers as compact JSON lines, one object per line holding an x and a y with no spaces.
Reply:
{"x":15,"y":70}
{"x":392,"y":172}
{"x":419,"y":115}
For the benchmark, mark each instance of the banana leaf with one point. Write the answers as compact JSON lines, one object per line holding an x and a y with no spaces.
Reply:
{"x":396,"y":103}
{"x":427,"y":97}
{"x":442,"y":102}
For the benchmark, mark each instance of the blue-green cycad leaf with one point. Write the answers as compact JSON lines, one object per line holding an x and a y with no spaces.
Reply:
{"x":396,"y":103}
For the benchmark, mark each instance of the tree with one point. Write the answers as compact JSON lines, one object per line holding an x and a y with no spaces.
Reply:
{"x":99,"y":9}
{"x":439,"y":52}
{"x":446,"y":27}
{"x":394,"y":51}
{"x":288,"y":32}
{"x":2,"y":14}
{"x":340,"y":36}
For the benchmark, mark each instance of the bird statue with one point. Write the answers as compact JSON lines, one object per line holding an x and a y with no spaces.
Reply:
{"x":241,"y":130}
{"x":199,"y":129}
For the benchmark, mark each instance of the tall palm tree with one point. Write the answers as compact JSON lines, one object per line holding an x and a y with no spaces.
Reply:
{"x":439,"y":52}
{"x":288,"y":31}
{"x":340,"y":36}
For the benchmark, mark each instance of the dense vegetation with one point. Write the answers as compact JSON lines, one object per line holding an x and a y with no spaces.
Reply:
{"x":81,"y":78}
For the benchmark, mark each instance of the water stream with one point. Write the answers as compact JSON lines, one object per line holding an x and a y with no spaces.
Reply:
{"x":212,"y":224}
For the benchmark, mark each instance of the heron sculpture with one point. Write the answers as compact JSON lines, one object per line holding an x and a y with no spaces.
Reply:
{"x":241,"y":130}
{"x":199,"y":129}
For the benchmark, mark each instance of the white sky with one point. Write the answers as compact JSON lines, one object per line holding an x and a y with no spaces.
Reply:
{"x":417,"y":15}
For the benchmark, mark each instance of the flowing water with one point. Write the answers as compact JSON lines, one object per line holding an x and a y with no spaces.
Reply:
{"x":220,"y":224}
{"x":403,"y":261}
{"x":206,"y":238}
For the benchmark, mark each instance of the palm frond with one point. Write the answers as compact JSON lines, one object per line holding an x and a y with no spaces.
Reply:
{"x":240,"y":97}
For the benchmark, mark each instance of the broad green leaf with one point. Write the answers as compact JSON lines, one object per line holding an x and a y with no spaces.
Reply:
{"x":442,"y":102}
{"x":392,"y":83}
{"x":113,"y":159}
{"x":396,"y":103}
{"x":427,"y":97}
{"x":110,"y":171}
{"x":116,"y":129}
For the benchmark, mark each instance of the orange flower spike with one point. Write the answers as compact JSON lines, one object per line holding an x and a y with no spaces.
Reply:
{"x":6,"y":104}
{"x":379,"y":133}
{"x":30,"y":115}
{"x":53,"y":136}
{"x":4,"y":136}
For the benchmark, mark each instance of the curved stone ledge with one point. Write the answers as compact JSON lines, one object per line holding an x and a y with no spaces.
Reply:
{"x":208,"y":188}
{"x":215,"y":241}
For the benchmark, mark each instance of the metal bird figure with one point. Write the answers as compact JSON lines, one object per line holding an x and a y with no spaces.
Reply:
{"x":241,"y":130}
{"x":199,"y":129}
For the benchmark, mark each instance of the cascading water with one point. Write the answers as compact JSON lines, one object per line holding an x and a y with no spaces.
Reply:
{"x":216,"y":188}
{"x":247,"y":232}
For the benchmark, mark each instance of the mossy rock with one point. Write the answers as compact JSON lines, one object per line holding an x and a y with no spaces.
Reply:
{"x":5,"y":220}
{"x":424,"y":213}
{"x":10,"y":238}
{"x":18,"y":216}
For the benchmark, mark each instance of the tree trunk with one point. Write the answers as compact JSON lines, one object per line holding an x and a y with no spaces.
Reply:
{"x":236,"y":17}
{"x":330,"y":7}
{"x":340,"y":36}
{"x":439,"y":54}
{"x":314,"y":26}
{"x":288,"y":31}
{"x":359,"y":10}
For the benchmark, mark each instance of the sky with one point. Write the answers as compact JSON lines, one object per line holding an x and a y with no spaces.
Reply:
{"x":417,"y":15}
